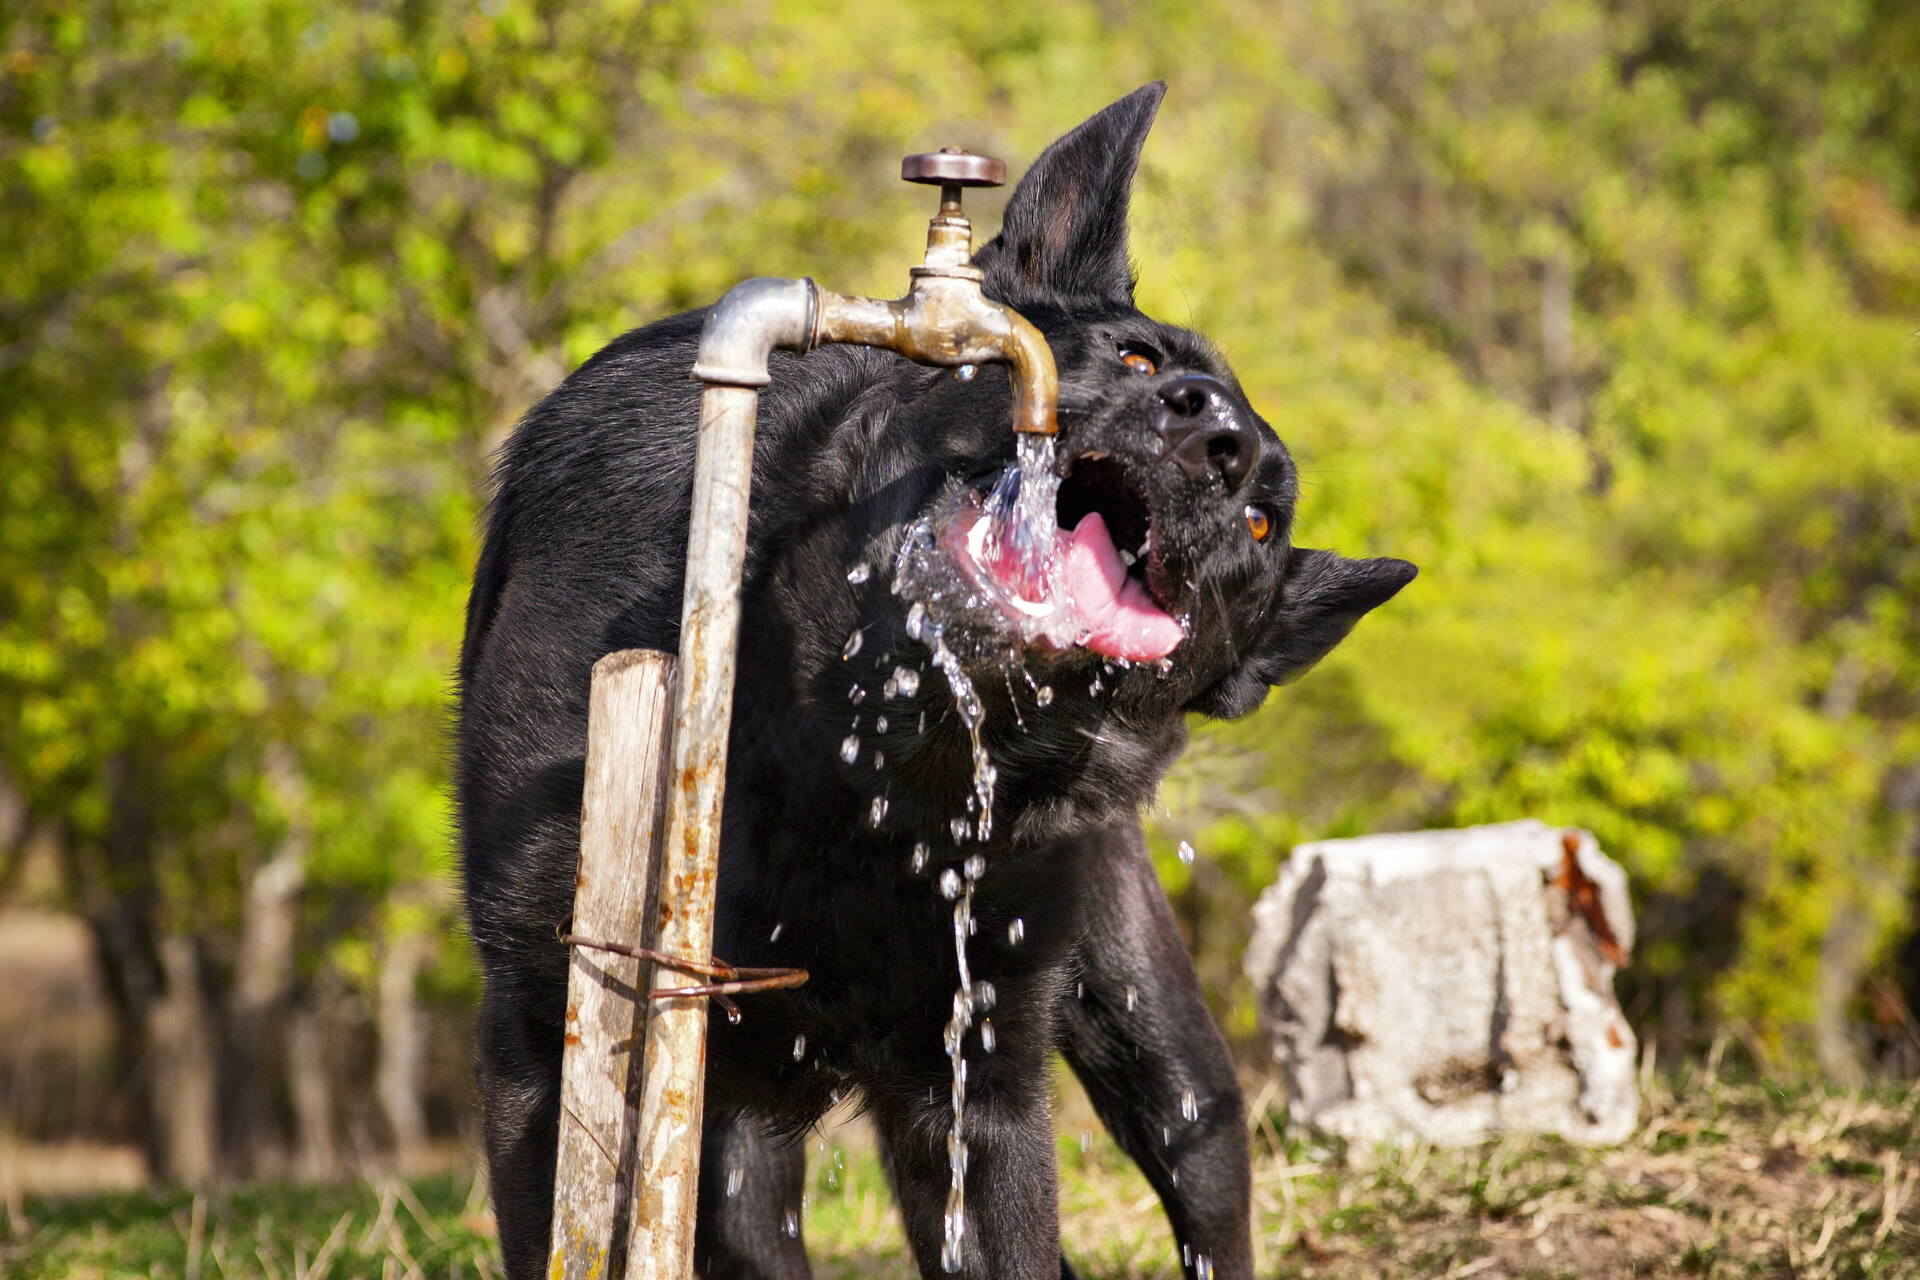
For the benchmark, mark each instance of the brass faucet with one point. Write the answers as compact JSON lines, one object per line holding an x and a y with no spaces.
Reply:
{"x":945,"y":319}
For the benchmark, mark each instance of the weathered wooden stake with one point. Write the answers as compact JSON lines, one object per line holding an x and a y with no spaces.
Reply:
{"x":622,"y":821}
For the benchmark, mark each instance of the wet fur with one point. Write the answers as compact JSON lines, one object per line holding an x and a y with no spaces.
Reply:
{"x":583,"y":556}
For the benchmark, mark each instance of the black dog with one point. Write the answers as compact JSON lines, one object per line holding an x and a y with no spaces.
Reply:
{"x":869,"y":472}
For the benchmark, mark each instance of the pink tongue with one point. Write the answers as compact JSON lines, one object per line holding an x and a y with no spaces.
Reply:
{"x":1122,"y":620}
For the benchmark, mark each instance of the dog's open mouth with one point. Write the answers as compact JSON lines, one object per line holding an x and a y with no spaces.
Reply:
{"x":1094,"y":587}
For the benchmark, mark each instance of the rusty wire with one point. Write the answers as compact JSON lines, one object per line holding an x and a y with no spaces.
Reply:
{"x":735,"y":979}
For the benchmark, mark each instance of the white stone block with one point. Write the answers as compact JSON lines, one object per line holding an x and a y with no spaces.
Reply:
{"x":1449,"y":986}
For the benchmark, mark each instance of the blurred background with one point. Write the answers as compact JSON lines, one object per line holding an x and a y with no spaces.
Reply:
{"x":1605,"y":312}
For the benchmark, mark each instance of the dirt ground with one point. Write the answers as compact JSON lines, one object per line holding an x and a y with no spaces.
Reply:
{"x":1723,"y":1179}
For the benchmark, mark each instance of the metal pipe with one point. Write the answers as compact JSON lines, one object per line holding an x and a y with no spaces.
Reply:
{"x":944,"y":319}
{"x":743,"y":329}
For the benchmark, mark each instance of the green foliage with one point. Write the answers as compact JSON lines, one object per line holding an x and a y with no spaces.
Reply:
{"x":1603,"y":313}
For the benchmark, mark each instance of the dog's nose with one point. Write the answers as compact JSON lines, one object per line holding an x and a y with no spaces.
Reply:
{"x":1206,"y":431}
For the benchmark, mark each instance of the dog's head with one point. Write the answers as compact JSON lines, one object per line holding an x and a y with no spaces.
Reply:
{"x":1176,"y":571}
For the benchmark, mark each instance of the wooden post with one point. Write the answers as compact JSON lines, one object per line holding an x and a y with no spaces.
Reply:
{"x":622,"y":820}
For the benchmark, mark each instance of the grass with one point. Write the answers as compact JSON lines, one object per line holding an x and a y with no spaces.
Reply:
{"x":1722,"y":1180}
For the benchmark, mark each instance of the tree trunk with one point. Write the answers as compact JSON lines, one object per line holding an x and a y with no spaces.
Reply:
{"x":310,"y":1087}
{"x":182,"y":1076}
{"x":1556,"y":341}
{"x":257,"y":1060}
{"x":401,"y":1053}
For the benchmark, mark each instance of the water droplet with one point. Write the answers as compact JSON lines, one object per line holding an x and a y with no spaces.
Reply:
{"x":1086,"y":1141}
{"x":877,"y":812}
{"x":959,"y":829}
{"x":984,"y":996}
{"x":859,"y":573}
{"x":1189,"y":1107}
{"x":1202,"y":1267}
{"x":1186,"y":853}
{"x":792,"y":1225}
{"x":986,"y":1034}
{"x":850,"y":748}
{"x":799,"y":1048}
{"x":1079,"y":991}
{"x":966,"y":371}
{"x":856,"y":695}
{"x":1133,"y":997}
{"x":853,"y":644}
{"x":880,"y":725}
{"x":950,"y":884}
{"x":1186,"y":1255}
{"x":1044,"y":695}
{"x":879,"y":761}
{"x":777,"y":928}
{"x":1016,"y":932}
{"x":903,"y":683}
{"x":733,"y":1016}
{"x":1128,"y":558}
{"x":975,"y":866}
{"x":920,"y":855}
{"x":734,"y":1177}
{"x":917,"y":620}
{"x":1094,"y":688}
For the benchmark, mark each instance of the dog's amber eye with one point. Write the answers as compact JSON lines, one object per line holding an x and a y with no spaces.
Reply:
{"x":1259,"y":522}
{"x":1138,"y":361}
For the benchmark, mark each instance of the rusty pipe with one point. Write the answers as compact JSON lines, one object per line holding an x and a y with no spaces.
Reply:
{"x":944,"y":319}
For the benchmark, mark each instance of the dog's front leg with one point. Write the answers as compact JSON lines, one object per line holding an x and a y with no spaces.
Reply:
{"x":1137,"y":1033}
{"x":1012,"y":1218}
{"x":751,"y":1181}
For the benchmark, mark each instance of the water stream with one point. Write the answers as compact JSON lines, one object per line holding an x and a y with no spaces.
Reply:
{"x":1021,"y":516}
{"x":1021,"y":520}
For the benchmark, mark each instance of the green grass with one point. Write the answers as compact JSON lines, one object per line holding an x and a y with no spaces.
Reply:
{"x":1722,"y":1180}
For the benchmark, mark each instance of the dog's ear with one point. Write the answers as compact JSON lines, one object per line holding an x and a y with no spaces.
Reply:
{"x":1322,"y":598}
{"x":1064,"y":236}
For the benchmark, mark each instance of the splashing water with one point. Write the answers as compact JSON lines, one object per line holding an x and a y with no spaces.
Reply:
{"x":953,"y":1236}
{"x":1021,"y":518}
{"x":968,"y":997}
{"x":1021,"y":527}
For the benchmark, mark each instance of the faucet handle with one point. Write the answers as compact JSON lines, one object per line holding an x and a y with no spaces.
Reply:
{"x":952,"y":167}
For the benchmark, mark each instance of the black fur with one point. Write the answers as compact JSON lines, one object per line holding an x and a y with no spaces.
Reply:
{"x":583,"y":555}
